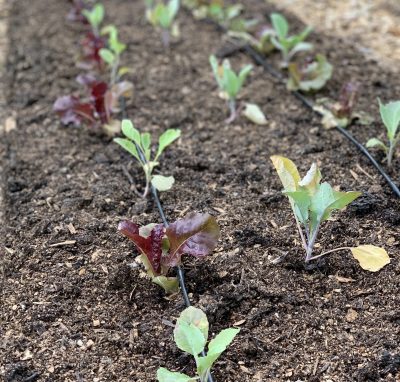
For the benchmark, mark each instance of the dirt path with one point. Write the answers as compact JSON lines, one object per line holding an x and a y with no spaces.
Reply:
{"x":79,"y":312}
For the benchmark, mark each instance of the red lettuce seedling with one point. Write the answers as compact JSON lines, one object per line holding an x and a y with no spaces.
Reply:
{"x":313,"y":203}
{"x":341,"y":112}
{"x":311,"y":75}
{"x":96,"y":109}
{"x":162,"y":248}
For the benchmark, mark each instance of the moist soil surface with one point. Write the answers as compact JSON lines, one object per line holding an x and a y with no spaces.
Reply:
{"x":84,"y":311}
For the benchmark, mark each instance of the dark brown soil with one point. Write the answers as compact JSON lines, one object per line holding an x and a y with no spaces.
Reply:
{"x":80,"y":312}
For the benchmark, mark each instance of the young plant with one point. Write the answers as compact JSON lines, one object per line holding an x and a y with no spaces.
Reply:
{"x":139,"y":145}
{"x":311,"y":76}
{"x":162,"y":248}
{"x":112,"y":54}
{"x":191,"y":335}
{"x":162,"y":15}
{"x":313,"y":203}
{"x":97,"y":108}
{"x":95,"y":17}
{"x":288,"y":45}
{"x":229,"y":83}
{"x":390,"y":114}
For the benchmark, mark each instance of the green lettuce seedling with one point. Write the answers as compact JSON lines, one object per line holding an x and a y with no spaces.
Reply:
{"x":313,"y":203}
{"x":95,"y":17}
{"x":390,"y":114}
{"x":309,"y":76}
{"x":190,"y":335}
{"x":288,"y":45}
{"x":139,"y":145}
{"x":229,"y":82}
{"x":112,"y":55}
{"x":162,"y":15}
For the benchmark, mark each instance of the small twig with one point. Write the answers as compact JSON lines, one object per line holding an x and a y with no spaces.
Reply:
{"x":327,"y":252}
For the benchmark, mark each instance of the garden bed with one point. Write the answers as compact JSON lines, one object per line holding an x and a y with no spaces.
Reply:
{"x":74,"y":308}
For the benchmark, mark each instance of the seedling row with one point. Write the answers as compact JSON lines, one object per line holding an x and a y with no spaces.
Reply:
{"x":162,"y":247}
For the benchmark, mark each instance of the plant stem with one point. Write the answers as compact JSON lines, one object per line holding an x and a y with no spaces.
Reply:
{"x":114,"y":70}
{"x":390,"y":153}
{"x":232,"y":110}
{"x":327,"y":252}
{"x":165,"y":37}
{"x":311,"y":243}
{"x":300,"y":232}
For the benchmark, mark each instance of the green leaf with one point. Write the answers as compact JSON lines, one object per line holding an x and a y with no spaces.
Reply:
{"x":130,"y":132}
{"x":390,"y":114}
{"x":107,"y":56}
{"x":215,"y":348}
{"x":128,"y":146}
{"x":254,"y":114}
{"x":302,"y":202}
{"x":164,"y":375}
{"x":374,"y":142}
{"x":169,"y":284}
{"x":280,"y":25}
{"x":231,"y":83}
{"x":222,"y":341}
{"x":162,"y":183}
{"x":343,"y":199}
{"x":95,"y":16}
{"x":166,"y":139}
{"x":371,"y":258}
{"x":173,"y":8}
{"x":243,"y":74}
{"x":189,"y":338}
{"x":287,"y":172}
{"x":145,"y":140}
{"x":196,"y":317}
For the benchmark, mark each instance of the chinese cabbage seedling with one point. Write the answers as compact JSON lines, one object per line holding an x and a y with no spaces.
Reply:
{"x":191,"y":335}
{"x":390,"y":114}
{"x":288,"y":45}
{"x":313,"y":203}
{"x":311,"y":75}
{"x":229,"y":82}
{"x":95,"y":17}
{"x":112,"y":55}
{"x":162,"y":15}
{"x":139,"y":145}
{"x":162,"y":248}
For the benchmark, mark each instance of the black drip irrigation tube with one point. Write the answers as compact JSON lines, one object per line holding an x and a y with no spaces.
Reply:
{"x":179,"y":269}
{"x":258,"y":59}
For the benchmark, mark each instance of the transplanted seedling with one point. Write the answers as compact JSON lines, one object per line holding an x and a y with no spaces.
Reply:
{"x":390,"y":114}
{"x":288,"y":45}
{"x":229,"y":82}
{"x":191,"y":335}
{"x":313,"y":203}
{"x":162,"y":15}
{"x":139,"y":145}
{"x":112,"y":54}
{"x":95,"y":17}
{"x":162,"y":248}
{"x":310,"y":75}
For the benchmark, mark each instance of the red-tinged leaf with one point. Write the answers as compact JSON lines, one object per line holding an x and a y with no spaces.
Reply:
{"x":150,"y":246}
{"x":71,"y":110}
{"x":196,"y":235}
{"x":91,"y":46}
{"x":98,"y":92}
{"x":347,"y":99}
{"x":86,"y":79}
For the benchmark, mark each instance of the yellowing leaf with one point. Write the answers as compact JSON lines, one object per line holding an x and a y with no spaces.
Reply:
{"x":371,"y":258}
{"x":287,"y":172}
{"x":254,"y":114}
